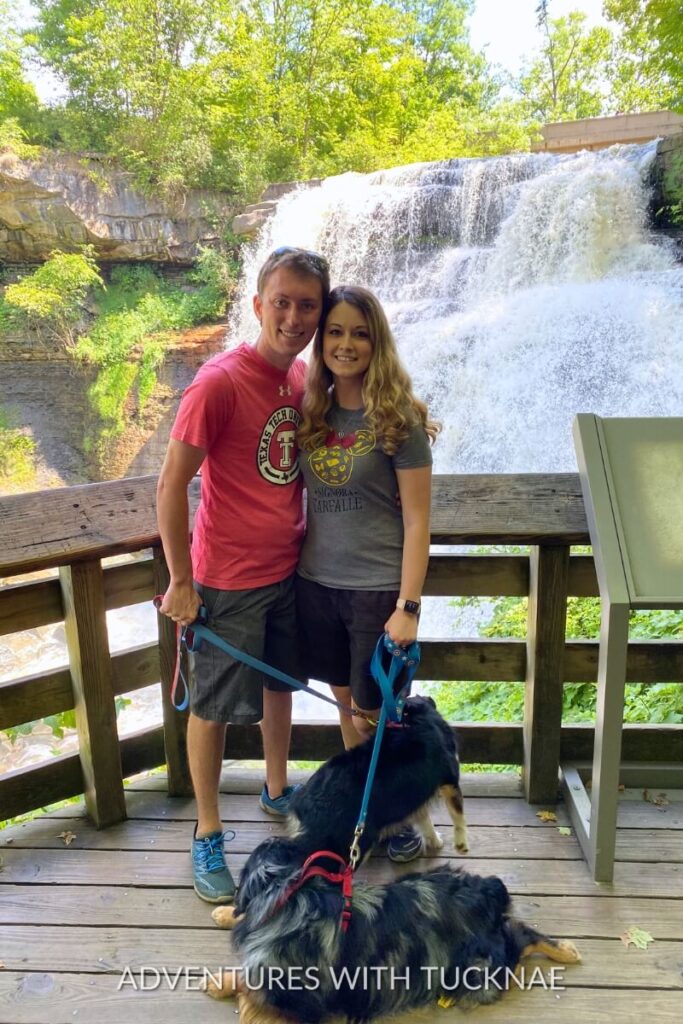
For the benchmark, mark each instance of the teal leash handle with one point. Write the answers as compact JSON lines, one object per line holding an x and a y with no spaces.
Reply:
{"x":402,"y":658}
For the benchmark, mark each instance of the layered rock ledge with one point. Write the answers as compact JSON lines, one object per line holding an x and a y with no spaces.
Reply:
{"x":63,"y":201}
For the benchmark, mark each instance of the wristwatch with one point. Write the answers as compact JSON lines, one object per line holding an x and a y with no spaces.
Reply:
{"x":412,"y":607}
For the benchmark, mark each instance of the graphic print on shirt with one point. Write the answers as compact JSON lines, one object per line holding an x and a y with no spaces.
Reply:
{"x":276,"y":455}
{"x":334,"y":465}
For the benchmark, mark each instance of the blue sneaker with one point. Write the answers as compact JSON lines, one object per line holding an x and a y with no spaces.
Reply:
{"x":406,"y":845}
{"x":212,"y":879}
{"x":279,"y":807}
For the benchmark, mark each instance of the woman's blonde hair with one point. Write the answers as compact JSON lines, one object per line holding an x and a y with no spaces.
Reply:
{"x":391,"y":408}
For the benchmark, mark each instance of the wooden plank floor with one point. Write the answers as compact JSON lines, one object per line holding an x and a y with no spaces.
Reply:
{"x":74,"y":918}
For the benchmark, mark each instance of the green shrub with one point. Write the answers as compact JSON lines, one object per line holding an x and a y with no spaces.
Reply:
{"x":138,"y":312}
{"x":17,"y":456}
{"x":52,"y":298}
{"x":504,"y":702}
{"x":13,"y":139}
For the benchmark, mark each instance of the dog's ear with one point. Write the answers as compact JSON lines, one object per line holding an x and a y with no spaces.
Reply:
{"x":430,"y":700}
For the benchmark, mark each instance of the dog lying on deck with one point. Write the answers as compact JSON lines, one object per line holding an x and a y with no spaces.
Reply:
{"x":423,"y":938}
{"x":417,"y":760}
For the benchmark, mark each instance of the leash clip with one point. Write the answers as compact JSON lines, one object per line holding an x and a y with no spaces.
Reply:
{"x":354,"y":852}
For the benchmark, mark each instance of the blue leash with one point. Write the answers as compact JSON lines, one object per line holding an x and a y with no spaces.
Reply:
{"x":403,"y":659}
{"x":199,"y":629}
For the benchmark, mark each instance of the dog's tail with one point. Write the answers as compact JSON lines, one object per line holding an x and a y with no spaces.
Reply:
{"x":527,"y":941}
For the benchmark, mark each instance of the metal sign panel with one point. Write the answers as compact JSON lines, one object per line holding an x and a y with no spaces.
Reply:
{"x":632,"y":478}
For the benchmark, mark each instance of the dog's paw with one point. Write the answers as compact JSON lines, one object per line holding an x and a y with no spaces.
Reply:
{"x":434,"y":843}
{"x":570,"y":954}
{"x":225,"y":917}
{"x":461,"y":841}
{"x":223,"y":986}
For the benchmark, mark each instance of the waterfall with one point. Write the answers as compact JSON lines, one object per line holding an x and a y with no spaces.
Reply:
{"x":521,"y":290}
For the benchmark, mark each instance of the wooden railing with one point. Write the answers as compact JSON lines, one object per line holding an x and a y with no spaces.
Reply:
{"x":73,"y":529}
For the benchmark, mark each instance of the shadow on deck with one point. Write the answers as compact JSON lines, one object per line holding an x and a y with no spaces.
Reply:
{"x":73,"y":918}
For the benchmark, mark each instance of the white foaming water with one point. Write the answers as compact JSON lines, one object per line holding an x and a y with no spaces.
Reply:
{"x":521,"y":290}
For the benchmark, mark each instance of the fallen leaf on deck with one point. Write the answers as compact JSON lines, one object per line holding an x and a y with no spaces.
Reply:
{"x":563,"y":830}
{"x":637,"y":937}
{"x":546,"y":815}
{"x":660,"y":800}
{"x":67,"y":837}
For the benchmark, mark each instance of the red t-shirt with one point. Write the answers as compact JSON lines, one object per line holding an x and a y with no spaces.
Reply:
{"x":245,"y":412}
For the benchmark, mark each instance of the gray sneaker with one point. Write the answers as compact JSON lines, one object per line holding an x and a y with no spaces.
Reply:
{"x":212,"y":879}
{"x":278,"y":807}
{"x":405,"y":846}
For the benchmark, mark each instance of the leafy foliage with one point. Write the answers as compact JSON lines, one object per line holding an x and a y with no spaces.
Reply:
{"x":52,"y":297}
{"x":17,"y":452}
{"x":646,"y":68}
{"x":504,"y":702}
{"x":123,"y":328}
{"x":564,"y":81}
{"x":129,"y":337}
{"x":238,"y":93}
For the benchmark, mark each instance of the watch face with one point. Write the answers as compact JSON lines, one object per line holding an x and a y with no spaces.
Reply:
{"x":413,"y":607}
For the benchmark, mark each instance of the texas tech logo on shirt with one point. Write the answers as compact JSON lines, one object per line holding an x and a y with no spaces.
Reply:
{"x":276,"y":456}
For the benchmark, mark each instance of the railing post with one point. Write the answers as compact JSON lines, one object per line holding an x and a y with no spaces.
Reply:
{"x":91,"y":675}
{"x":175,"y":722}
{"x":548,"y":582}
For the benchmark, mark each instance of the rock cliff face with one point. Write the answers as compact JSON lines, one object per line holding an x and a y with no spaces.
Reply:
{"x":61,"y":201}
{"x":45,"y":392}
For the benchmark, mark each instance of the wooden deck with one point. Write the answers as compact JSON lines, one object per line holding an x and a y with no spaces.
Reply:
{"x":73,"y":918}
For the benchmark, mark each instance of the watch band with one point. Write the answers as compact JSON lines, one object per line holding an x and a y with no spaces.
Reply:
{"x":412,"y":607}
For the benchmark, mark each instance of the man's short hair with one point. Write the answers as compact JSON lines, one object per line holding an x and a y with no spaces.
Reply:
{"x":304,"y":262}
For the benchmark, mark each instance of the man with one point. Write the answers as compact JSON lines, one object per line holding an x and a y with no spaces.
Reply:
{"x":238,"y":421}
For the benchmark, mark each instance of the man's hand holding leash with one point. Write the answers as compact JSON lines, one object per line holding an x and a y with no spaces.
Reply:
{"x":181,"y":602}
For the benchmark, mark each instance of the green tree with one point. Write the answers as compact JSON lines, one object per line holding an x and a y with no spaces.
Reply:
{"x":19,"y":103}
{"x":565,"y":79}
{"x":236,"y":94}
{"x":646,"y":67}
{"x":135,"y":71}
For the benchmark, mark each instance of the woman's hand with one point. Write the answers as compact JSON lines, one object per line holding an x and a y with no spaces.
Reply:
{"x":181,"y":603}
{"x":401,"y":627}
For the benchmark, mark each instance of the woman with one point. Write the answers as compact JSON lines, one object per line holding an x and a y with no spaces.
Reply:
{"x":366,"y":460}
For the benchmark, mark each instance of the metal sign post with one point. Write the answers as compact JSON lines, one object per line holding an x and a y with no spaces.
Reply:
{"x":632,"y":480}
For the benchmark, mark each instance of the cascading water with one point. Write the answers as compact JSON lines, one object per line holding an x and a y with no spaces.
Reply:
{"x":521,"y":290}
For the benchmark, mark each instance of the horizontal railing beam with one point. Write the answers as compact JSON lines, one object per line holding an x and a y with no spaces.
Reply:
{"x":28,"y":789}
{"x":61,"y":777}
{"x":39,"y":603}
{"x":648,"y":661}
{"x":69,"y":524}
{"x":49,"y":693}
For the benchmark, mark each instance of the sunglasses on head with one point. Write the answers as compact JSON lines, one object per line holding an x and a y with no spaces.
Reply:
{"x":318,"y":261}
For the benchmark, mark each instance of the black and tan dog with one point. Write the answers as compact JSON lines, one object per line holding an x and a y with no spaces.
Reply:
{"x":419,"y":939}
{"x":417,"y":761}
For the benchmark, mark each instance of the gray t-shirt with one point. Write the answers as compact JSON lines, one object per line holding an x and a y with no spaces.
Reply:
{"x":354,"y":523}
